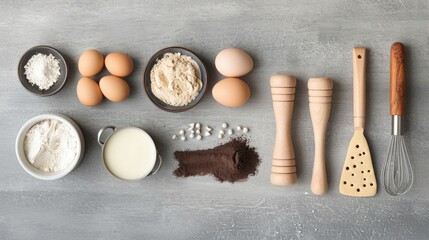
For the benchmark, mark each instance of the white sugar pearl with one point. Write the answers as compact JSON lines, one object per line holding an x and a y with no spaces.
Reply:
{"x":191,"y":135}
{"x":192,"y":131}
{"x":198,"y":131}
{"x":181,"y":132}
{"x":230,"y":132}
{"x":221,"y":132}
{"x":245,"y":130}
{"x":199,"y":137}
{"x":192,"y":125}
{"x":207,"y":134}
{"x":174,"y":137}
{"x":224,"y":125}
{"x":197,"y":125}
{"x":208,"y":129}
{"x":238,"y":128}
{"x":183,"y":138}
{"x":219,"y":136}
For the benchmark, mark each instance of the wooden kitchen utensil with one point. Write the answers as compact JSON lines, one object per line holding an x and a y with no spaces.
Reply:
{"x":358,"y":178}
{"x":283,"y":171}
{"x":320,"y":98}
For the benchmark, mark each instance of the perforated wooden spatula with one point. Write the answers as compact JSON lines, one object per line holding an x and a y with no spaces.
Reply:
{"x":358,"y":178}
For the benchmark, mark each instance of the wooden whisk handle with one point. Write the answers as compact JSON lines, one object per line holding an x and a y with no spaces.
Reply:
{"x":397,"y":79}
{"x":320,"y":98}
{"x":283,"y":171}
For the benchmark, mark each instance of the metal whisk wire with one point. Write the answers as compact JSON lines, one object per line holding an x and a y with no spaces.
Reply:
{"x":397,"y":170}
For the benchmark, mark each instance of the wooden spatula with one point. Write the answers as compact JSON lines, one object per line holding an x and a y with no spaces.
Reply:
{"x":358,"y":178}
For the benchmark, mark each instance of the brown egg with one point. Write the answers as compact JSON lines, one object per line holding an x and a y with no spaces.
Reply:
{"x":233,"y":62}
{"x":231,"y":92}
{"x":114,"y":88}
{"x":89,"y":92}
{"x":119,"y":64}
{"x":90,"y":63}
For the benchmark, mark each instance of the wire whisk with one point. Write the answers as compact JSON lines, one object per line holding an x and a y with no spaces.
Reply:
{"x":397,"y":170}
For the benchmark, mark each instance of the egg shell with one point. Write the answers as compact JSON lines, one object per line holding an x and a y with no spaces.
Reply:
{"x":90,"y":63}
{"x":119,"y":64}
{"x":114,"y":88}
{"x":233,"y":62}
{"x":88,"y":92}
{"x":231,"y":92}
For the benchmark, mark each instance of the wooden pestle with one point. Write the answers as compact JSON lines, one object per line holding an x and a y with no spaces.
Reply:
{"x":283,"y":170}
{"x":320,"y":98}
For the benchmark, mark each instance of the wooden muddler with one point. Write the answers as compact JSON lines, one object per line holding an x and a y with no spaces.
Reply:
{"x":283,"y":170}
{"x":320,"y":98}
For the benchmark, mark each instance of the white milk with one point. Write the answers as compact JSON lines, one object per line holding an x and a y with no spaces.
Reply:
{"x":130,"y":153}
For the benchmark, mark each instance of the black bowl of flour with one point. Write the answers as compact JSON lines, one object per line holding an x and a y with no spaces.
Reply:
{"x":201,"y":71}
{"x":60,"y":78}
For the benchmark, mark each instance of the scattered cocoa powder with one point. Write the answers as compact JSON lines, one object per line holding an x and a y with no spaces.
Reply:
{"x":232,"y":161}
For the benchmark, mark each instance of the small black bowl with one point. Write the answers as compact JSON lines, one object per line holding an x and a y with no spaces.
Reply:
{"x":34,"y":89}
{"x":159,"y":55}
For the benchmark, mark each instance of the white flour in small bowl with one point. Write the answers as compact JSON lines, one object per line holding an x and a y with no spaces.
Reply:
{"x":42,"y":70}
{"x":50,"y":145}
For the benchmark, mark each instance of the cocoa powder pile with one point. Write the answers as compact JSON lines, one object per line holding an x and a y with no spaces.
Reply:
{"x":232,"y":161}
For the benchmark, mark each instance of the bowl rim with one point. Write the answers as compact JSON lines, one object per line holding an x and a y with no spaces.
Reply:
{"x":33,"y":171}
{"x":22,"y":78}
{"x":202,"y":72}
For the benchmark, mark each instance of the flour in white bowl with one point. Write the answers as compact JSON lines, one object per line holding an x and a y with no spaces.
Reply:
{"x":50,"y":145}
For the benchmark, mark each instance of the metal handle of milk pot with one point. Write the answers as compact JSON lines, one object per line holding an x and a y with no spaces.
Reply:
{"x":159,"y":165}
{"x":101,"y":131}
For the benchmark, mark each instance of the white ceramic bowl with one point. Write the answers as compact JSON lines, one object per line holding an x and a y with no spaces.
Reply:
{"x":19,"y":147}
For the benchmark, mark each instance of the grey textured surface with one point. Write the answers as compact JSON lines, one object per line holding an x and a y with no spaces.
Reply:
{"x":303,"y":38}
